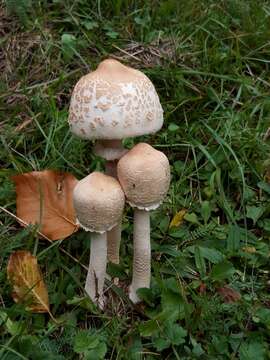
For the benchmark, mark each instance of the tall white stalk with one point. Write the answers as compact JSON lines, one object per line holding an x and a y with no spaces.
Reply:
{"x":97,"y":268}
{"x":114,"y":235}
{"x":113,"y":243}
{"x":142,"y":254}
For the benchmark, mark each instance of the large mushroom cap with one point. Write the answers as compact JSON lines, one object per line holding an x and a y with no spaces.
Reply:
{"x":114,"y":102}
{"x":144,"y":174}
{"x":99,"y":202}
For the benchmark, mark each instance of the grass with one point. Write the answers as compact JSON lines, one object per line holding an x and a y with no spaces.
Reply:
{"x":209,"y":61}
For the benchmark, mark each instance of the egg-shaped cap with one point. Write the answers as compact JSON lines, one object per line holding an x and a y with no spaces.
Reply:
{"x":144,"y":174}
{"x":114,"y":102}
{"x":98,"y":202}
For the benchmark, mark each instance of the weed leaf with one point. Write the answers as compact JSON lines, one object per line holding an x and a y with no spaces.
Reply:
{"x":222,"y":270}
{"x":200,"y":262}
{"x":233,"y":239}
{"x":255,"y":212}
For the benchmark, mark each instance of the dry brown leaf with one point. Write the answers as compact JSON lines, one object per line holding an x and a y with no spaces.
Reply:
{"x":178,"y":218}
{"x":202,"y":288}
{"x":228,"y":294}
{"x":26,"y":279}
{"x":45,"y":198}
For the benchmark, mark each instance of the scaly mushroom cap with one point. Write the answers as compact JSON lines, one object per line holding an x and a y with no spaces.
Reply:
{"x":114,"y":102}
{"x":144,"y":174}
{"x":99,"y":202}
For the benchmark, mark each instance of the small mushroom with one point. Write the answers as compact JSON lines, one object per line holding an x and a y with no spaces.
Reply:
{"x":99,"y":202}
{"x":144,"y":174}
{"x":112,"y":103}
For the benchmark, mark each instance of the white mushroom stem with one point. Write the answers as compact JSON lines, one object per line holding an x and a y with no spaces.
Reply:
{"x":112,"y":151}
{"x":97,"y":268}
{"x":114,"y":235}
{"x":109,"y":149}
{"x":111,"y":168}
{"x":114,"y":240}
{"x":142,"y":254}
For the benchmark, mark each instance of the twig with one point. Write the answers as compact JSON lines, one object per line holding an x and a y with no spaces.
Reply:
{"x":127,"y":53}
{"x":44,"y":237}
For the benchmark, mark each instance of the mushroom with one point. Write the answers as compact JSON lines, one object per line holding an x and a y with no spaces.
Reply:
{"x":109,"y":104}
{"x":144,"y":174}
{"x":99,"y":202}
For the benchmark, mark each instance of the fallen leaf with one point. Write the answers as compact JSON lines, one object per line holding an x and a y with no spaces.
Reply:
{"x":26,"y":279}
{"x":228,"y":294}
{"x":249,"y":249}
{"x":45,"y":198}
{"x":178,"y":218}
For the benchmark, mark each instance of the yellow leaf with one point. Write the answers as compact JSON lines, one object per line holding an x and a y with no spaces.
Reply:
{"x":46,"y":198}
{"x":26,"y":279}
{"x":249,"y":249}
{"x":178,"y":218}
